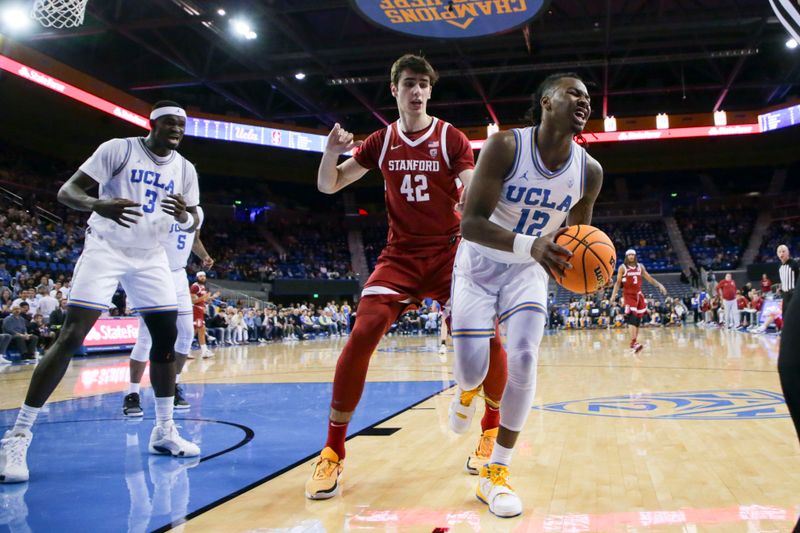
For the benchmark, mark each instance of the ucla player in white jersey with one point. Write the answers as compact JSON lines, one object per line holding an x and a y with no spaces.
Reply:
{"x":527,"y":182}
{"x":144,"y":187}
{"x":178,"y":245}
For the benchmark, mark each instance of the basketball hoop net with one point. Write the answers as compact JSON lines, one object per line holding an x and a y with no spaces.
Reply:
{"x":59,"y":13}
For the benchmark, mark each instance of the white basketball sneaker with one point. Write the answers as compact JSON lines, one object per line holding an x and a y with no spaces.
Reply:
{"x":166,"y":441}
{"x":494,"y":490}
{"x":462,"y":409}
{"x":13,"y":454}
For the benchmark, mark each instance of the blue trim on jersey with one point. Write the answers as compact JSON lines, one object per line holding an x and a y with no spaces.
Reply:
{"x":183,"y":313}
{"x":87,"y":305}
{"x":152,"y":156}
{"x":124,"y":159}
{"x":524,"y":306}
{"x":517,"y":154}
{"x":540,"y":167}
{"x":583,"y":173}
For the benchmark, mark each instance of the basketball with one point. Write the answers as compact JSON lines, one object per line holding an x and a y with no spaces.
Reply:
{"x":593,"y":259}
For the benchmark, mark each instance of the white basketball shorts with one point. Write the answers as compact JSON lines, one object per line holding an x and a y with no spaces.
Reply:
{"x":485,"y":290}
{"x":143,"y":273}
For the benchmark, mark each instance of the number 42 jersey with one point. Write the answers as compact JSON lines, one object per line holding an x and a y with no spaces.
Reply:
{"x":420,"y":171}
{"x":534,"y":200}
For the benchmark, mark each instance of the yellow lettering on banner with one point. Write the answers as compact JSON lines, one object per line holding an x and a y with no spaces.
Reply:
{"x":486,"y":7}
{"x":521,"y":6}
{"x":409,"y":15}
{"x":424,"y":15}
{"x":401,"y":3}
{"x":394,"y":16}
{"x":434,"y":13}
{"x":447,"y":14}
{"x":386,"y":4}
{"x":502,"y":6}
{"x":417,"y":3}
{"x":462,"y":10}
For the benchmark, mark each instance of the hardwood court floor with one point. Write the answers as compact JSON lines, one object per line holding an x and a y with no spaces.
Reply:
{"x":689,"y":435}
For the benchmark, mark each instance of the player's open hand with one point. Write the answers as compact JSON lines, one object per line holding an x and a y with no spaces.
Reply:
{"x":340,"y":140}
{"x":175,"y":206}
{"x":550,"y":255}
{"x":120,"y":210}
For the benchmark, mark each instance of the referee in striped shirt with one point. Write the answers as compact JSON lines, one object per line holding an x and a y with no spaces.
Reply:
{"x":788,"y":273}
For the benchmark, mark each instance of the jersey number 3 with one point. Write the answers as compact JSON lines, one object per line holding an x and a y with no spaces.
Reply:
{"x":538,"y":221}
{"x":415,"y":194}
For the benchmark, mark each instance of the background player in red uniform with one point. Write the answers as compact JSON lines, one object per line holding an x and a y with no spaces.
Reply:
{"x":200,"y":297}
{"x":630,"y":276}
{"x":420,"y":158}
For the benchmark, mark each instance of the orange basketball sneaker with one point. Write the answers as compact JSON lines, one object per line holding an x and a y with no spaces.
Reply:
{"x":482,"y":453}
{"x":324,"y":482}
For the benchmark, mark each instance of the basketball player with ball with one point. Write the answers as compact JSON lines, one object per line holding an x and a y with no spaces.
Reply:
{"x":527,"y":182}
{"x":630,"y":276}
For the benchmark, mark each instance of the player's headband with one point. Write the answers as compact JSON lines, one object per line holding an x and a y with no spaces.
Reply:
{"x":161,"y":111}
{"x":201,"y":273}
{"x":631,"y":251}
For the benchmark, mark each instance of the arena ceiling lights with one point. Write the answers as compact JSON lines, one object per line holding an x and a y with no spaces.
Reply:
{"x":293,"y":140}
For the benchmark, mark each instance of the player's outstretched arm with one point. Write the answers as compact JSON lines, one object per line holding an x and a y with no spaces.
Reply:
{"x":581,"y":213}
{"x":73,"y":194}
{"x":615,"y":290}
{"x":494,"y":163}
{"x":652,"y":280}
{"x":199,"y":249}
{"x":330,"y":177}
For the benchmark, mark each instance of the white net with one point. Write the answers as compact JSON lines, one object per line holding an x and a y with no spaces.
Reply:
{"x":59,"y":13}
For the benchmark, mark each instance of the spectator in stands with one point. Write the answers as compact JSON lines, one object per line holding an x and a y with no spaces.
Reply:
{"x":47,"y":304}
{"x":5,"y":275}
{"x":216,"y":323}
{"x":766,"y":284}
{"x":6,"y":301}
{"x":695,"y":277}
{"x":5,"y":340}
{"x":250,"y":333}
{"x":57,"y":317}
{"x":726,"y":289}
{"x":16,"y":326}
{"x":42,"y":331}
{"x":326,"y":323}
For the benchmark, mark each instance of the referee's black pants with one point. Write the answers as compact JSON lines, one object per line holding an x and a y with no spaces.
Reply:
{"x":789,"y":363}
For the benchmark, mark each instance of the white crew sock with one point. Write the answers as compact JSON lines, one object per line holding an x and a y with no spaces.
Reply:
{"x":26,"y":417}
{"x":134,"y":388}
{"x":501,"y":455}
{"x":164,"y":408}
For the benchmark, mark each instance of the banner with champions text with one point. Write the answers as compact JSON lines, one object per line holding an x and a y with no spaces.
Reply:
{"x":450,"y":19}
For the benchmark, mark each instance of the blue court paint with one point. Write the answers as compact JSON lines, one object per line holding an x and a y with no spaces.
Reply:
{"x":90,"y":469}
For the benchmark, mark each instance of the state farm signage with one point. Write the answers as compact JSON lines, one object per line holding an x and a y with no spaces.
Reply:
{"x":112,"y":332}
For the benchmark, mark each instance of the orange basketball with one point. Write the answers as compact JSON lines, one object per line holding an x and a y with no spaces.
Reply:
{"x":593,"y":259}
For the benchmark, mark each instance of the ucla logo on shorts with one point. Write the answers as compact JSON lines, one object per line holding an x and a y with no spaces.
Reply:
{"x":697,"y":405}
{"x":443,"y":19}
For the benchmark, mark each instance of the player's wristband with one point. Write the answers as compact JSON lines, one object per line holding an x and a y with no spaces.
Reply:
{"x":186,"y":226}
{"x":523,"y":245}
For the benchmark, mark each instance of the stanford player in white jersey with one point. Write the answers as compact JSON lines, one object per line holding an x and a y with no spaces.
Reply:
{"x":630,"y":276}
{"x":421,"y":159}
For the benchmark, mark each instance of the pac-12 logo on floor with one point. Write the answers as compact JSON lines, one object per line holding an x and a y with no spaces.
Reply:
{"x":690,"y":405}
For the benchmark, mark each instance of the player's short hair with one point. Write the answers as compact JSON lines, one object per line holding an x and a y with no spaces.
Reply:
{"x":534,"y":114}
{"x":165,"y":103}
{"x":414,"y":63}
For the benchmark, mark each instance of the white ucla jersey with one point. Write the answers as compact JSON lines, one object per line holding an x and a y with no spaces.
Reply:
{"x":126,"y":168}
{"x":178,"y":243}
{"x":535,"y":201}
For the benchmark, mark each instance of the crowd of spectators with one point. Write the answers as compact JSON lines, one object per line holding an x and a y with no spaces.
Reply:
{"x":716,"y":236}
{"x":650,"y":240}
{"x":600,"y":312}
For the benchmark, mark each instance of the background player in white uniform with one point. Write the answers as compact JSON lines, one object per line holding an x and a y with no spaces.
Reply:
{"x":143,"y":183}
{"x":178,"y":248}
{"x":502,"y":264}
